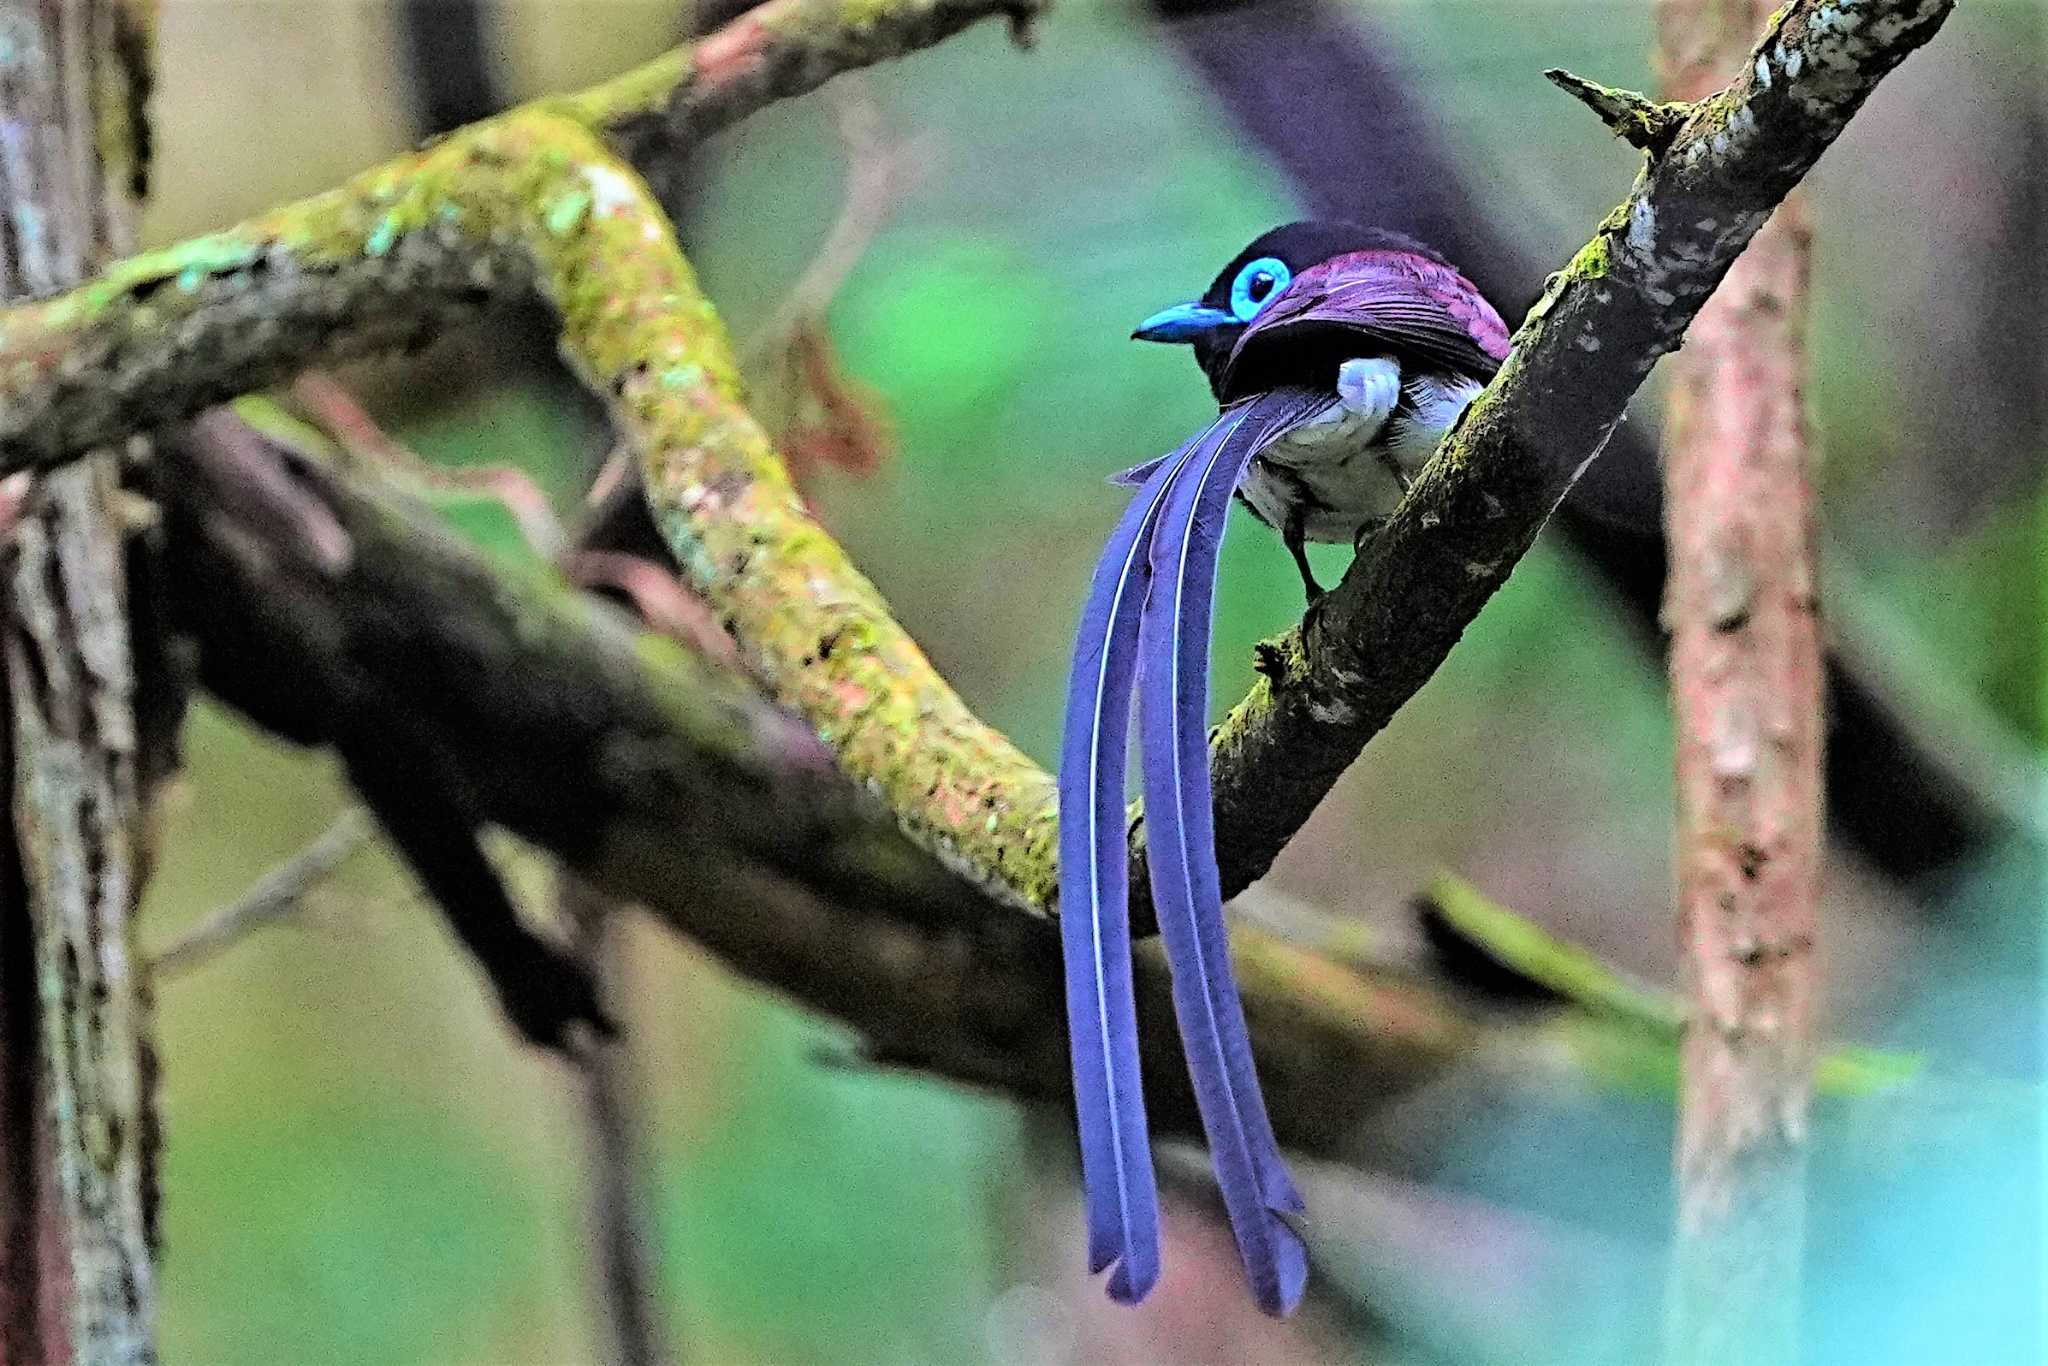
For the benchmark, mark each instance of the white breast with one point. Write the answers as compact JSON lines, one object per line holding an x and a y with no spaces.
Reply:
{"x":1345,"y":471}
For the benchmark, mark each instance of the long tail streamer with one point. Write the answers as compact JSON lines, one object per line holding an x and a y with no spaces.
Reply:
{"x":1146,"y":626}
{"x":1095,"y":930}
{"x":1173,"y":706}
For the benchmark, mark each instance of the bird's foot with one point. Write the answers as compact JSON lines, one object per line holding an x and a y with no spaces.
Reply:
{"x":1297,"y":546}
{"x":1312,"y":592}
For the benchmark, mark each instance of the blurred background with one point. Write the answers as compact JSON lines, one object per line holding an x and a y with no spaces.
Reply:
{"x":364,"y":1166}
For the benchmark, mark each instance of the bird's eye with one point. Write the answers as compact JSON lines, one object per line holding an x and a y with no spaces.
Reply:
{"x":1257,"y":285}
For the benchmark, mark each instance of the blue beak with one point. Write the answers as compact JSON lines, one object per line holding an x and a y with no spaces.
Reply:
{"x":1182,"y":323}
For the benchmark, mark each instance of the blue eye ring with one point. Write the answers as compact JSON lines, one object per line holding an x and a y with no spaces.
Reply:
{"x":1257,"y":285}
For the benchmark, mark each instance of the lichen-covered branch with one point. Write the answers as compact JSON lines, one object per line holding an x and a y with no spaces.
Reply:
{"x":655,"y":114}
{"x":1634,"y":118}
{"x":1746,"y":693}
{"x":391,"y":257}
{"x":536,"y":201}
{"x":334,"y":616}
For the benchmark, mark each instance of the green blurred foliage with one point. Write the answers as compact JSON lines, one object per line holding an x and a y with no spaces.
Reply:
{"x":795,"y":1226}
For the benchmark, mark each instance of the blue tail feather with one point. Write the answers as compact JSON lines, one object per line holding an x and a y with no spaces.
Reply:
{"x":1186,"y":889}
{"x":1116,"y":1160}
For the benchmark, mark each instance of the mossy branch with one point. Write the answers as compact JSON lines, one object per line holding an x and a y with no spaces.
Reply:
{"x":537,"y":201}
{"x":389,"y":258}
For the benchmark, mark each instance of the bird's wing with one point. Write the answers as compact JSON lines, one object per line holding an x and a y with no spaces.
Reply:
{"x":1407,"y":303}
{"x":1173,"y":706}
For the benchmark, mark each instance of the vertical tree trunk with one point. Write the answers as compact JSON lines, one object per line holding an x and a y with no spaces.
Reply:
{"x":1746,"y":677}
{"x":71,"y":156}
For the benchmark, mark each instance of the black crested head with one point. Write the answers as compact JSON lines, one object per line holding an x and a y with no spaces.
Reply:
{"x":1213,"y":324}
{"x":1311,"y":242}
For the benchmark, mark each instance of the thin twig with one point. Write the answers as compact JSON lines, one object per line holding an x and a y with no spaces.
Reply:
{"x":278,"y":894}
{"x":658,"y":597}
{"x":624,"y":1268}
{"x":1636,"y":119}
{"x":365,"y":440}
{"x":880,"y":171}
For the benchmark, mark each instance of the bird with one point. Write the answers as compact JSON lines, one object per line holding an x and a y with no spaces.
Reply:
{"x":1393,"y":339}
{"x":1338,"y":355}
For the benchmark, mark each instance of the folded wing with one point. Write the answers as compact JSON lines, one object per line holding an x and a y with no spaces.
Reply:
{"x":1402,"y":304}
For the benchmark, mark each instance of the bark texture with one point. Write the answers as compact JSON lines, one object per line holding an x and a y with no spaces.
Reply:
{"x":71,"y":85}
{"x":1746,"y":683}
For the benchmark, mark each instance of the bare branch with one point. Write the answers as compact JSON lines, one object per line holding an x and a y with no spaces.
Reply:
{"x":362,"y":438}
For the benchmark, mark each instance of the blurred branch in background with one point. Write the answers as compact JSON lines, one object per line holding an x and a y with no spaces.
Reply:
{"x":829,"y":418}
{"x":623,"y":1273}
{"x":362,"y":440}
{"x":1889,"y":796}
{"x":279,"y":893}
{"x":667,"y":782}
{"x":1742,"y":607}
{"x":881,"y":169}
{"x":1971,"y":745}
{"x":79,"y":1210}
{"x":449,"y":54}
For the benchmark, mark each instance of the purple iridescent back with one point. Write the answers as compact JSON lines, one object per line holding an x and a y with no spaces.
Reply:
{"x":1397,"y":301}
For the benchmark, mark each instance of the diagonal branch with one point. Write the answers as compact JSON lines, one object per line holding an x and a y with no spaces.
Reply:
{"x":1586,"y":346}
